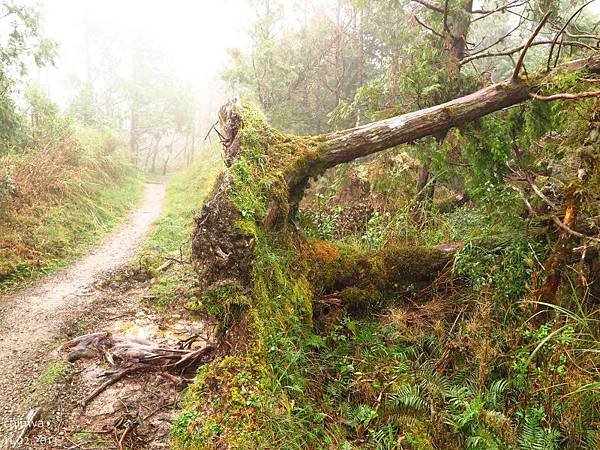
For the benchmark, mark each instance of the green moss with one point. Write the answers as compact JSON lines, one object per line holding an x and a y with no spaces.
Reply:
{"x":257,"y":398}
{"x":234,"y":394}
{"x":53,"y":373}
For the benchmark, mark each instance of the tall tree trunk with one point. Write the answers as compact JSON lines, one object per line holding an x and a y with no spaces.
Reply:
{"x":457,"y":29}
{"x":154,"y":156}
{"x":133,"y":144}
{"x":425,"y":191}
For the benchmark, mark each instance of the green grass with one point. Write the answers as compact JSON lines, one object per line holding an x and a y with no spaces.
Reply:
{"x":171,"y":235}
{"x":66,"y":230}
{"x":53,"y":373}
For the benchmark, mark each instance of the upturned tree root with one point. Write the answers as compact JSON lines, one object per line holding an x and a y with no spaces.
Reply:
{"x":129,"y":356}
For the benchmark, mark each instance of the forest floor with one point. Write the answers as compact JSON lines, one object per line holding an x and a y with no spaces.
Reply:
{"x":36,"y":380}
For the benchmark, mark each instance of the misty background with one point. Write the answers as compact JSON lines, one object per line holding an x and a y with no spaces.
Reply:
{"x":159,"y":71}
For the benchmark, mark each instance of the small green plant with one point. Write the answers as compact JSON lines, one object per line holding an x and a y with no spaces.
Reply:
{"x":54,"y":372}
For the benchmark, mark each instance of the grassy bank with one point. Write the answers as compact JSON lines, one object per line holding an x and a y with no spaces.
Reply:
{"x":170,"y":236}
{"x":58,"y":195}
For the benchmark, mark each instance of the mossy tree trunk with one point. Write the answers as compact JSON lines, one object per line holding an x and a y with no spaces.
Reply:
{"x":268,"y":171}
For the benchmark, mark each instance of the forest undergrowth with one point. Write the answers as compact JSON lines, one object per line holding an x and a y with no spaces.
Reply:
{"x":493,"y":354}
{"x":62,"y":185}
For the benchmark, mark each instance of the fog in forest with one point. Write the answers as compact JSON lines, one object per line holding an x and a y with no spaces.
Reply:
{"x":175,"y":64}
{"x":300,"y":224}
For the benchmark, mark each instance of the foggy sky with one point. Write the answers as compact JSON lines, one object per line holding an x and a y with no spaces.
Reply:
{"x":193,"y":35}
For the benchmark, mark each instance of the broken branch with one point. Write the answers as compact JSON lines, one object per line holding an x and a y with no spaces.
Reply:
{"x":131,"y":356}
{"x":577,"y":96}
{"x":528,"y":44}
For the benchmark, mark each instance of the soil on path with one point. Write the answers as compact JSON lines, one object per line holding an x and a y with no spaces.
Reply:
{"x":31,"y":321}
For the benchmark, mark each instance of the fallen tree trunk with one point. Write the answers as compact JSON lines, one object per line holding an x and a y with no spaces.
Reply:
{"x":268,"y":171}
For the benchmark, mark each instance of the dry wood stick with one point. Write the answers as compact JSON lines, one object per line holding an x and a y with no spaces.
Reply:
{"x":515,"y":74}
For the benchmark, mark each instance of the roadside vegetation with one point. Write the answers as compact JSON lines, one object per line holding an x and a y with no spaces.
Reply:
{"x":166,"y":254}
{"x":69,"y":174}
{"x":61,"y":187}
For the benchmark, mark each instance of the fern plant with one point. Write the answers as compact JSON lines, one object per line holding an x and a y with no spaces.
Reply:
{"x":408,"y":397}
{"x":534,"y":436}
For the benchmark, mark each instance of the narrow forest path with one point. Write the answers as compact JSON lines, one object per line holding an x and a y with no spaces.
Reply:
{"x":31,"y":320}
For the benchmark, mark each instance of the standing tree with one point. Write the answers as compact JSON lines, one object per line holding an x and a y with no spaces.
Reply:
{"x":22,"y":44}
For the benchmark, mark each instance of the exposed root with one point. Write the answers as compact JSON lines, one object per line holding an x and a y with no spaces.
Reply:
{"x":130,"y":356}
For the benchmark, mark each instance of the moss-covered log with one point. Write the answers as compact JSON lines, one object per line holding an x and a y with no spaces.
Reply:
{"x":268,"y":170}
{"x":267,"y":283}
{"x":345,"y":276}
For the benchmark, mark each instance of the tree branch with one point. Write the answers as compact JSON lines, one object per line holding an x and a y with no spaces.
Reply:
{"x":577,"y":96}
{"x":528,"y":44}
{"x":498,"y":41}
{"x":512,"y":51}
{"x":429,"y":5}
{"x":428,"y":27}
{"x":503,"y":8}
{"x":345,"y":146}
{"x":569,"y":230}
{"x":561,"y":32}
{"x":583,"y":36}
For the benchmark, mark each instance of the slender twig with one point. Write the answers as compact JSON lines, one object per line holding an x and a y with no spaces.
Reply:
{"x":498,"y":40}
{"x":580,"y":95}
{"x":109,"y":382}
{"x":210,"y":129}
{"x":528,"y":44}
{"x":512,"y":51}
{"x":503,"y":8}
{"x":429,"y":5}
{"x":583,"y":36}
{"x":124,"y":435}
{"x":428,"y":27}
{"x":559,"y":34}
{"x":569,"y":230}
{"x":539,"y":193}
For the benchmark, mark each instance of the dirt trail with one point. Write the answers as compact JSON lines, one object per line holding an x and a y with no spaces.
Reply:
{"x":31,"y":319}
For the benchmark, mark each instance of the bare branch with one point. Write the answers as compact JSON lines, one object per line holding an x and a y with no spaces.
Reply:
{"x":577,"y":96}
{"x":528,"y":44}
{"x":583,"y":36}
{"x":504,"y":8}
{"x":498,"y":41}
{"x":571,"y":231}
{"x":428,"y":27}
{"x":559,"y":34}
{"x":429,"y":5}
{"x":512,"y":51}
{"x":567,"y":33}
